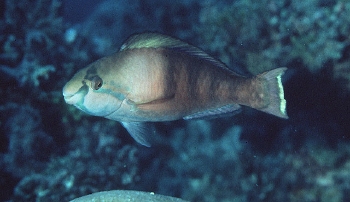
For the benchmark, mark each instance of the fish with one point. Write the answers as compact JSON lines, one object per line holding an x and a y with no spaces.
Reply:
{"x":155,"y":77}
{"x":126,"y":196}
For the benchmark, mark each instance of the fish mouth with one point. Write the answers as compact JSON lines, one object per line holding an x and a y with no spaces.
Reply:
{"x":71,"y":99}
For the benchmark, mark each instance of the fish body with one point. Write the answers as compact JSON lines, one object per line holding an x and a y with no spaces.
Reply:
{"x":154,"y":77}
{"x":126,"y":196}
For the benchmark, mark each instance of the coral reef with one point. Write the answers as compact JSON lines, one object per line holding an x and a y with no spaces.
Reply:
{"x":27,"y":140}
{"x":53,"y":152}
{"x":266,"y":34}
{"x":78,"y":174}
{"x":47,"y":170}
{"x":29,"y":34}
{"x":28,"y":70}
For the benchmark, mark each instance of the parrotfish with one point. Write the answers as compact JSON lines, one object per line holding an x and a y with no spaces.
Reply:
{"x":126,"y":196}
{"x":154,"y":77}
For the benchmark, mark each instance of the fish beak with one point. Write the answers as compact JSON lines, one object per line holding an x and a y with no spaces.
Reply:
{"x":71,"y":99}
{"x":71,"y":96}
{"x":75,"y":89}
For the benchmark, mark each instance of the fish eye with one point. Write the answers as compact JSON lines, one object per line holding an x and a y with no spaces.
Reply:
{"x":96,"y":82}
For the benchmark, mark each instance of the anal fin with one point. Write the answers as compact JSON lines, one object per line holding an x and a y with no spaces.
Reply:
{"x":224,"y":111}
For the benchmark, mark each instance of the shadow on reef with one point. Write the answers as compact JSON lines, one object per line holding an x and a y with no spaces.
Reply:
{"x":321,"y":104}
{"x":318,"y":107}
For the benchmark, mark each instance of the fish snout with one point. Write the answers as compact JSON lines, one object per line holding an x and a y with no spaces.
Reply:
{"x":71,"y":99}
{"x":72,"y":93}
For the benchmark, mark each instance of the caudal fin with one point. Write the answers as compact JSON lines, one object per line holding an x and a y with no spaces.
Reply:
{"x":278,"y":104}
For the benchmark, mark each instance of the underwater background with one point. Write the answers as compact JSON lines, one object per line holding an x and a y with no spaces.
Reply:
{"x":51,"y":151}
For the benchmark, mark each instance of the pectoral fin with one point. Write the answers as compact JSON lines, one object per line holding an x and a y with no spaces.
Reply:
{"x":142,"y":132}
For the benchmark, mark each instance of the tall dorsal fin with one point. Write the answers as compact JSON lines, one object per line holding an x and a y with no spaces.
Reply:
{"x":156,"y":40}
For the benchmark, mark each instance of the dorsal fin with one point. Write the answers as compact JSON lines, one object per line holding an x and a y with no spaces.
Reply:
{"x":150,"y":40}
{"x":155,"y":40}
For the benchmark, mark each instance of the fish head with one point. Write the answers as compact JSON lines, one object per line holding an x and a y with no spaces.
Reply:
{"x":90,"y":91}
